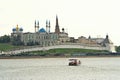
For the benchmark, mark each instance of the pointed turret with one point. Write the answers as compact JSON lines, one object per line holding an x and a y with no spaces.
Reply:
{"x":57,"y":24}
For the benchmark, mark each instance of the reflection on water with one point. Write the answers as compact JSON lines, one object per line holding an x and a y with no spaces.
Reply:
{"x":58,"y":69}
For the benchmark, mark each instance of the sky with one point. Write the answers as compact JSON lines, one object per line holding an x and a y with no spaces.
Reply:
{"x":96,"y":18}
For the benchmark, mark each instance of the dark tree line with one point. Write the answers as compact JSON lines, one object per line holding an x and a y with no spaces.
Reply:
{"x":5,"y":39}
{"x":15,"y":40}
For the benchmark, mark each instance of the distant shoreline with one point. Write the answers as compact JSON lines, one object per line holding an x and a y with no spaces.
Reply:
{"x":40,"y":57}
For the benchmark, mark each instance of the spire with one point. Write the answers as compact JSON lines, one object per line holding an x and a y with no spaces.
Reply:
{"x":57,"y":30}
{"x":57,"y":25}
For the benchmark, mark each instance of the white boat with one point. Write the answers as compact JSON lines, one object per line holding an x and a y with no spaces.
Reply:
{"x":74,"y":62}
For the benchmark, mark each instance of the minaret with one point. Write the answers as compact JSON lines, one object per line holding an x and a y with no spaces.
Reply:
{"x":57,"y":30}
{"x":38,"y":26}
{"x":46,"y":26}
{"x":35,"y":26}
{"x":49,"y":26}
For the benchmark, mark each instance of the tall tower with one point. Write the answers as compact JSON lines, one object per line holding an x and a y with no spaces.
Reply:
{"x":49,"y":26}
{"x":57,"y":30}
{"x":109,"y":44}
{"x":38,"y":26}
{"x":35,"y":26}
{"x":46,"y":26}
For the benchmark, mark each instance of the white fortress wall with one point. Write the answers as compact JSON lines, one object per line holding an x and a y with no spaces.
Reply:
{"x":54,"y":47}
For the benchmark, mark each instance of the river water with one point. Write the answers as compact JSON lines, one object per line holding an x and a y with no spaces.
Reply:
{"x":58,"y":69}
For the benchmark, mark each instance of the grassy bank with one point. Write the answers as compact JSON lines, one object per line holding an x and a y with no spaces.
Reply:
{"x":53,"y":52}
{"x":62,"y":52}
{"x":67,"y":51}
{"x":8,"y":46}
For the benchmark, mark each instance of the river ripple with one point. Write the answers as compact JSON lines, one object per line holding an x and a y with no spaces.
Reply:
{"x":58,"y":69}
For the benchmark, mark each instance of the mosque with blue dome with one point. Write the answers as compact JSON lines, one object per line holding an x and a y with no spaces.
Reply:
{"x":41,"y":36}
{"x":44,"y":37}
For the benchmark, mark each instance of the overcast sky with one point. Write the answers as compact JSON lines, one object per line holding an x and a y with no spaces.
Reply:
{"x":79,"y":17}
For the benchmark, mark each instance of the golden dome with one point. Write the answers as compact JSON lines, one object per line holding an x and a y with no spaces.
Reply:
{"x":17,"y":28}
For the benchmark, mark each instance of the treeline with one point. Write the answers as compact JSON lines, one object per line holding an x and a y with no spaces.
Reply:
{"x":16,"y":41}
{"x":5,"y":39}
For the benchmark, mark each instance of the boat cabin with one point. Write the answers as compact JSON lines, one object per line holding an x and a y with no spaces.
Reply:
{"x":74,"y":62}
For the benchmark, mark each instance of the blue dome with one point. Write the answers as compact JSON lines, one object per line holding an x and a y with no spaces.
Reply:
{"x":42,"y":30}
{"x":14,"y":29}
{"x":21,"y":29}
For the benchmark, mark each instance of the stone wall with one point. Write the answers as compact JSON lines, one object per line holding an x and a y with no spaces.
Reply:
{"x":54,"y":47}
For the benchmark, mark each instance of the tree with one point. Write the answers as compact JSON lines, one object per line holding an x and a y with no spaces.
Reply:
{"x":5,"y":39}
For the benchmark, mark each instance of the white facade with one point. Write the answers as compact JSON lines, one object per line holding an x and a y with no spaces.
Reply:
{"x":44,"y":37}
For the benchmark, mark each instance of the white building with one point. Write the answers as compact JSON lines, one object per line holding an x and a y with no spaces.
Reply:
{"x":44,"y":37}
